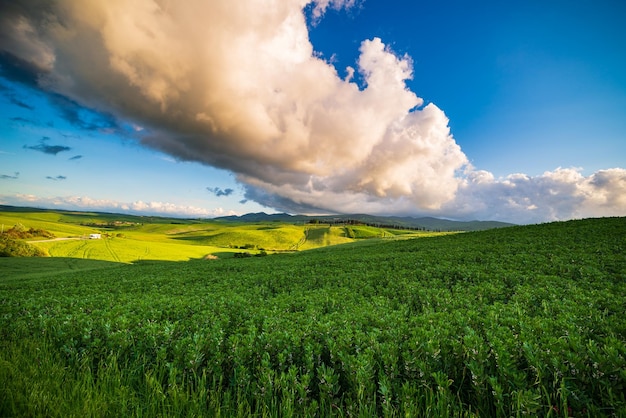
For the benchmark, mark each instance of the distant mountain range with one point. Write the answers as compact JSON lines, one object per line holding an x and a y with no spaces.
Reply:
{"x":425,"y":223}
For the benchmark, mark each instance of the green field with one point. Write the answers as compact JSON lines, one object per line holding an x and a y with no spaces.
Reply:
{"x":129,"y":238}
{"x":521,"y":321}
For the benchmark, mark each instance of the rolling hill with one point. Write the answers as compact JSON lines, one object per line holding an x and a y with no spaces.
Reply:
{"x":423,"y":223}
{"x":130,"y":238}
{"x":520,"y":321}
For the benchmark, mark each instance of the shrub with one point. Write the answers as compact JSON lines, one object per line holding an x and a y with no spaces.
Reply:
{"x":242,"y":255}
{"x":19,"y":231}
{"x":10,"y":247}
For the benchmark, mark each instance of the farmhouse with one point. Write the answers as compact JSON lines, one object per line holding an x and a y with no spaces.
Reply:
{"x":95,"y":236}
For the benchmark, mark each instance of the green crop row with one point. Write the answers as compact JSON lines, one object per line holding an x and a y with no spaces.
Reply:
{"x":522,"y":321}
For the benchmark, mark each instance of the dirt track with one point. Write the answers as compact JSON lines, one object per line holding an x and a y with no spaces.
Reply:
{"x":57,"y":239}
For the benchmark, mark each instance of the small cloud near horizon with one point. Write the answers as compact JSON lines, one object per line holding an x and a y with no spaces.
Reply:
{"x":76,"y":157}
{"x":220,"y":192}
{"x":56,"y":178}
{"x":44,"y":147}
{"x":9,"y":177}
{"x":137,"y":207}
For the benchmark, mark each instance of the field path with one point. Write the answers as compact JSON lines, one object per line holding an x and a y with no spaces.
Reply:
{"x":107,"y":243}
{"x":301,"y":242}
{"x":57,"y":239}
{"x":145,"y":253}
{"x":77,"y":251}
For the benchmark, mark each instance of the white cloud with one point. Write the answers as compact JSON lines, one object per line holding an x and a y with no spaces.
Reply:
{"x":237,"y":85}
{"x":320,"y":6}
{"x":560,"y":194}
{"x":87,"y":203}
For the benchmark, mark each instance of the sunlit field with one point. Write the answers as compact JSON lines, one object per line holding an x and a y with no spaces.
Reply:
{"x":130,"y":238}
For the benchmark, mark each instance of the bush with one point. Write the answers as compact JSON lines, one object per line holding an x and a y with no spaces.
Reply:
{"x":242,"y":255}
{"x":10,"y":247}
{"x":19,"y":231}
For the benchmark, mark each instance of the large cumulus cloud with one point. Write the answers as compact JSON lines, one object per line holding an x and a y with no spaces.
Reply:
{"x":239,"y":86}
{"x":560,"y":194}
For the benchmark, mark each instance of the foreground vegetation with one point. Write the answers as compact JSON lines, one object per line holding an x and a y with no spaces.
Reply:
{"x":522,"y":321}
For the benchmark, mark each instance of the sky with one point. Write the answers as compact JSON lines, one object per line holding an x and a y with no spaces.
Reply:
{"x":510,"y":111}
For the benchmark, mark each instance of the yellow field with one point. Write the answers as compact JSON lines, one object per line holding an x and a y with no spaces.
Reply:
{"x":50,"y":221}
{"x":126,"y":238}
{"x":124,"y":250}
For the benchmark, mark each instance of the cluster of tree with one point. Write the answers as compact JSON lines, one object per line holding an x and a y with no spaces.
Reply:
{"x":19,"y":231}
{"x":245,"y":255}
{"x":246,"y":247}
{"x":356,"y":222}
{"x":12,"y":246}
{"x":111,"y":224}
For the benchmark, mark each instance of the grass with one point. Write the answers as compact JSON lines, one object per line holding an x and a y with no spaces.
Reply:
{"x":50,"y":221}
{"x":125,"y":250}
{"x":267,"y":236}
{"x":130,"y":238}
{"x":523,"y":321}
{"x":19,"y":268}
{"x":323,"y":235}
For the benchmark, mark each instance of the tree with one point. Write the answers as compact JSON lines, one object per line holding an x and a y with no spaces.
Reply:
{"x":10,"y":247}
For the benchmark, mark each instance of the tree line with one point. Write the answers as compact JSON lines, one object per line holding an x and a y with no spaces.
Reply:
{"x":357,"y":222}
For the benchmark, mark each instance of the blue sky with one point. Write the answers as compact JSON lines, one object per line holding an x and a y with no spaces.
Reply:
{"x":528,"y":86}
{"x":110,"y":168}
{"x":510,"y":111}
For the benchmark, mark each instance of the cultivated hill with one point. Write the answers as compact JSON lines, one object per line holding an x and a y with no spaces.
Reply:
{"x":520,"y":321}
{"x":128,"y":238}
{"x":422,"y":223}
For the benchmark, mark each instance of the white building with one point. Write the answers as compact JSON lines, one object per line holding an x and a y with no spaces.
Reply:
{"x":95,"y":236}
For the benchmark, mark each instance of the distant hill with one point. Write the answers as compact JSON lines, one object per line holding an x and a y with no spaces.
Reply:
{"x":423,"y":223}
{"x":86,"y":217}
{"x":426,"y":223}
{"x":264,"y":217}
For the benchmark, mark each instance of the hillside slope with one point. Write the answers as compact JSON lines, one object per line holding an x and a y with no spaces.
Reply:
{"x":522,"y":321}
{"x":127,"y":238}
{"x":424,"y":223}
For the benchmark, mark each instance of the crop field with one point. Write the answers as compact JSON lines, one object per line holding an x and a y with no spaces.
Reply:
{"x":50,"y":221}
{"x":266,"y":236}
{"x":124,"y":250}
{"x":520,"y":321}
{"x":129,"y":238}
